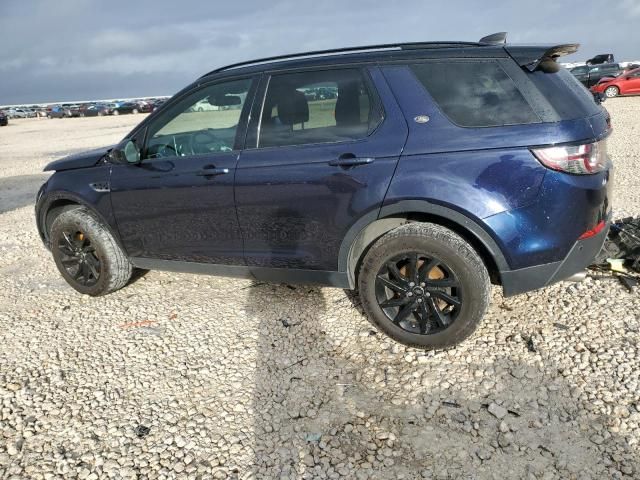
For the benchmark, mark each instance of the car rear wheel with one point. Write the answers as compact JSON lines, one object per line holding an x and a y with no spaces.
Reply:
{"x":611,"y":92}
{"x":87,"y":255}
{"x":424,"y":286}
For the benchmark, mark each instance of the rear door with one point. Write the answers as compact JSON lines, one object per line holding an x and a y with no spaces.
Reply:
{"x":321,"y":152}
{"x":582,"y":74}
{"x":632,"y":84}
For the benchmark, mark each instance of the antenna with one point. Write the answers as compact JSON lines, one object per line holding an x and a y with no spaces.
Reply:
{"x":494,"y":39}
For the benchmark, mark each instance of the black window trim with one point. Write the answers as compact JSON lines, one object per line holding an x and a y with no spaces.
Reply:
{"x":261,"y":97}
{"x":243,"y":121}
{"x":497,"y":62}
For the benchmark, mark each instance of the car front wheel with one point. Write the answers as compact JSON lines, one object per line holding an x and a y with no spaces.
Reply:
{"x":86,"y":253}
{"x":612,"y":91}
{"x":424,"y":286}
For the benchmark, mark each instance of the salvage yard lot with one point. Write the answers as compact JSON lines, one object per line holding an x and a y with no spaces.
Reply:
{"x":182,"y":375}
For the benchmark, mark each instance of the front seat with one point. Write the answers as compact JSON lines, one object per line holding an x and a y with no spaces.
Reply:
{"x":293,"y":109}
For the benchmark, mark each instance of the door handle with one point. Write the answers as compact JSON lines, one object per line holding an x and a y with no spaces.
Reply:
{"x":211,"y":171}
{"x":350,"y":160}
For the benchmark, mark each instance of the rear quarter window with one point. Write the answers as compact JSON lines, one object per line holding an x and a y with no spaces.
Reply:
{"x":475,"y":93}
{"x":568,"y":97}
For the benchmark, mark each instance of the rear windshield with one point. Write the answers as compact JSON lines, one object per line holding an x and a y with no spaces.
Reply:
{"x":565,"y":93}
{"x":475,"y":93}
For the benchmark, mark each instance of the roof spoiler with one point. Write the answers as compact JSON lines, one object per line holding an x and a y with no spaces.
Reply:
{"x":540,"y":57}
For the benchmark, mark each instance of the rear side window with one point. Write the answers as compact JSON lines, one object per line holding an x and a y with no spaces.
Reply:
{"x":569,"y":98}
{"x":475,"y":93}
{"x":317,"y":107}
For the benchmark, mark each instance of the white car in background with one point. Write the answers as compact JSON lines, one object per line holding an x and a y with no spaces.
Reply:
{"x":17,"y":113}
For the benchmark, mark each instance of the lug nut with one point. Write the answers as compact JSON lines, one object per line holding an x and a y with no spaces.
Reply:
{"x":419,"y":300}
{"x":409,"y":294}
{"x":412,"y":284}
{"x":423,"y":284}
{"x":427,"y":294}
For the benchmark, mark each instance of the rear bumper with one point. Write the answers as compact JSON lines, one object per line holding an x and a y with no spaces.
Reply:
{"x":580,"y":256}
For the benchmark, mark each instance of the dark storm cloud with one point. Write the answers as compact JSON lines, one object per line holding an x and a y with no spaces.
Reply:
{"x":80,"y":49}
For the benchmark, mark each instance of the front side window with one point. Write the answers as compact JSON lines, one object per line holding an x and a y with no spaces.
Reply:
{"x":475,"y":93}
{"x":202,"y":123}
{"x":317,"y":107}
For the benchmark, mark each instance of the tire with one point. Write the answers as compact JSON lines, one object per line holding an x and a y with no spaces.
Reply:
{"x":79,"y":230}
{"x":449,"y":260}
{"x":116,"y":112}
{"x":611,"y":91}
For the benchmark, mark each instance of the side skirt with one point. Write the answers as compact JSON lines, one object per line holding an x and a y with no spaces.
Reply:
{"x":274,"y":275}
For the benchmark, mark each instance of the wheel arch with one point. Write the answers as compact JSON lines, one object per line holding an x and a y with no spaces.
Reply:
{"x":55,"y":203}
{"x":369,"y":228}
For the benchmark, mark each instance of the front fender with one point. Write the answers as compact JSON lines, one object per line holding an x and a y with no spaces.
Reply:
{"x":85,"y":187}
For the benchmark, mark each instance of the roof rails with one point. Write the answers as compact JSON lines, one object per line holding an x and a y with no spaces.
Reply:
{"x":494,"y":39}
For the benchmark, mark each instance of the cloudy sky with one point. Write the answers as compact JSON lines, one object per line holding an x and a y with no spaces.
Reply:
{"x":55,"y":50}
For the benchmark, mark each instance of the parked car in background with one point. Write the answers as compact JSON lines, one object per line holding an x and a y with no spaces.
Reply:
{"x":17,"y":113}
{"x":126,"y":107}
{"x":4,"y":120}
{"x":591,"y":75}
{"x":625,"y":84}
{"x":158,"y":103}
{"x":74,"y":110}
{"x":58,"y":111}
{"x":435,"y":171}
{"x":600,"y":59}
{"x":144,"y":107}
{"x":630,"y":66}
{"x":97,"y":110}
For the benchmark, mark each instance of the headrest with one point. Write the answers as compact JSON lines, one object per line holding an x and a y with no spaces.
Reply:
{"x":293,"y":108}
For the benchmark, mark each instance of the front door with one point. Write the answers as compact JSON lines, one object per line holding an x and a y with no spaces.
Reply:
{"x":632,"y":84}
{"x":178,"y":203}
{"x":319,"y":157}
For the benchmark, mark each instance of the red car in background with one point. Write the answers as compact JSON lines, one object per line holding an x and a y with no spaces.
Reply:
{"x":624,"y":84}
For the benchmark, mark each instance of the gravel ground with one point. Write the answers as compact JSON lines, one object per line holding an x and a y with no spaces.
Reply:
{"x":185,"y":376}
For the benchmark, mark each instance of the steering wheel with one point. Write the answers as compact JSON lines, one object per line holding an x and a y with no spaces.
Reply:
{"x":204,"y":142}
{"x":166,"y":151}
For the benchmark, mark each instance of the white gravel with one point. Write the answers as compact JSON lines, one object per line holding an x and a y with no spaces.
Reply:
{"x":185,"y":376}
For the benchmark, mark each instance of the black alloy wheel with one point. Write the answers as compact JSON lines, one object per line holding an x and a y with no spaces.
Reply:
{"x":79,"y":257}
{"x":419,"y":293}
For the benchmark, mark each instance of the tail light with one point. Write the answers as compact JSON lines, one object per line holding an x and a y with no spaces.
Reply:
{"x":584,"y":159}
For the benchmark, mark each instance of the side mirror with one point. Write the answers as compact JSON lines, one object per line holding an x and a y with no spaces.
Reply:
{"x":126,"y":152}
{"x":131,"y":152}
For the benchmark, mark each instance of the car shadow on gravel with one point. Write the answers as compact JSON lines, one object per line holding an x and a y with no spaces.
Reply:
{"x":334,"y":397}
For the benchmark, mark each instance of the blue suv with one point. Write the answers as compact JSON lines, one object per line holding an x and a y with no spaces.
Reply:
{"x":431,"y":171}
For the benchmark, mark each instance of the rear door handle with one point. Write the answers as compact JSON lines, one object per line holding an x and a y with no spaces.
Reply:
{"x":211,"y":171}
{"x":350,"y":161}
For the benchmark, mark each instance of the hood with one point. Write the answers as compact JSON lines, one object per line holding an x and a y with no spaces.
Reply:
{"x":78,"y":160}
{"x":606,"y":79}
